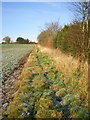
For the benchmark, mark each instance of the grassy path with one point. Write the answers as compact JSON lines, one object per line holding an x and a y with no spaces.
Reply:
{"x":41,"y":93}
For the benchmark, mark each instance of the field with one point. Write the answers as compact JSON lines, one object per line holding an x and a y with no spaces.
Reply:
{"x":11,"y":54}
{"x":41,"y":92}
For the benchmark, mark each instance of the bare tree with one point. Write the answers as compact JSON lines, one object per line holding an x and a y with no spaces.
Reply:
{"x":80,"y":10}
{"x":53,"y":27}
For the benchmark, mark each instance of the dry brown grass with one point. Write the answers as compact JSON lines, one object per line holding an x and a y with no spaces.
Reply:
{"x":65,"y":63}
{"x":69,"y":65}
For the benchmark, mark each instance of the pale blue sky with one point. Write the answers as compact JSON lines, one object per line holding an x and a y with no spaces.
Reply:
{"x":26,"y":19}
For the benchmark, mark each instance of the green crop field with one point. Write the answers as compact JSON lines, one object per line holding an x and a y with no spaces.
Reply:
{"x":11,"y":54}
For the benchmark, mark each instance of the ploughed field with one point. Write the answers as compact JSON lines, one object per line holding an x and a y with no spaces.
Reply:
{"x":41,"y":93}
{"x":11,"y":54}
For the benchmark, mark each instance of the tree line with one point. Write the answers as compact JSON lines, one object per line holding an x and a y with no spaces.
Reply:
{"x":71,"y":39}
{"x":19,"y":40}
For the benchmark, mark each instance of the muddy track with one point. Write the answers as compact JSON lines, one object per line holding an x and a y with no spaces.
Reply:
{"x":8,"y":83}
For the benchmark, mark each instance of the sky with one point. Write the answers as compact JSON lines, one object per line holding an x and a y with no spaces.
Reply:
{"x":27,"y":19}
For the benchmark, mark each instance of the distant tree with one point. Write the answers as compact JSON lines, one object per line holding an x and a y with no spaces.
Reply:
{"x":26,"y":40}
{"x":20,"y":40}
{"x":7,"y":39}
